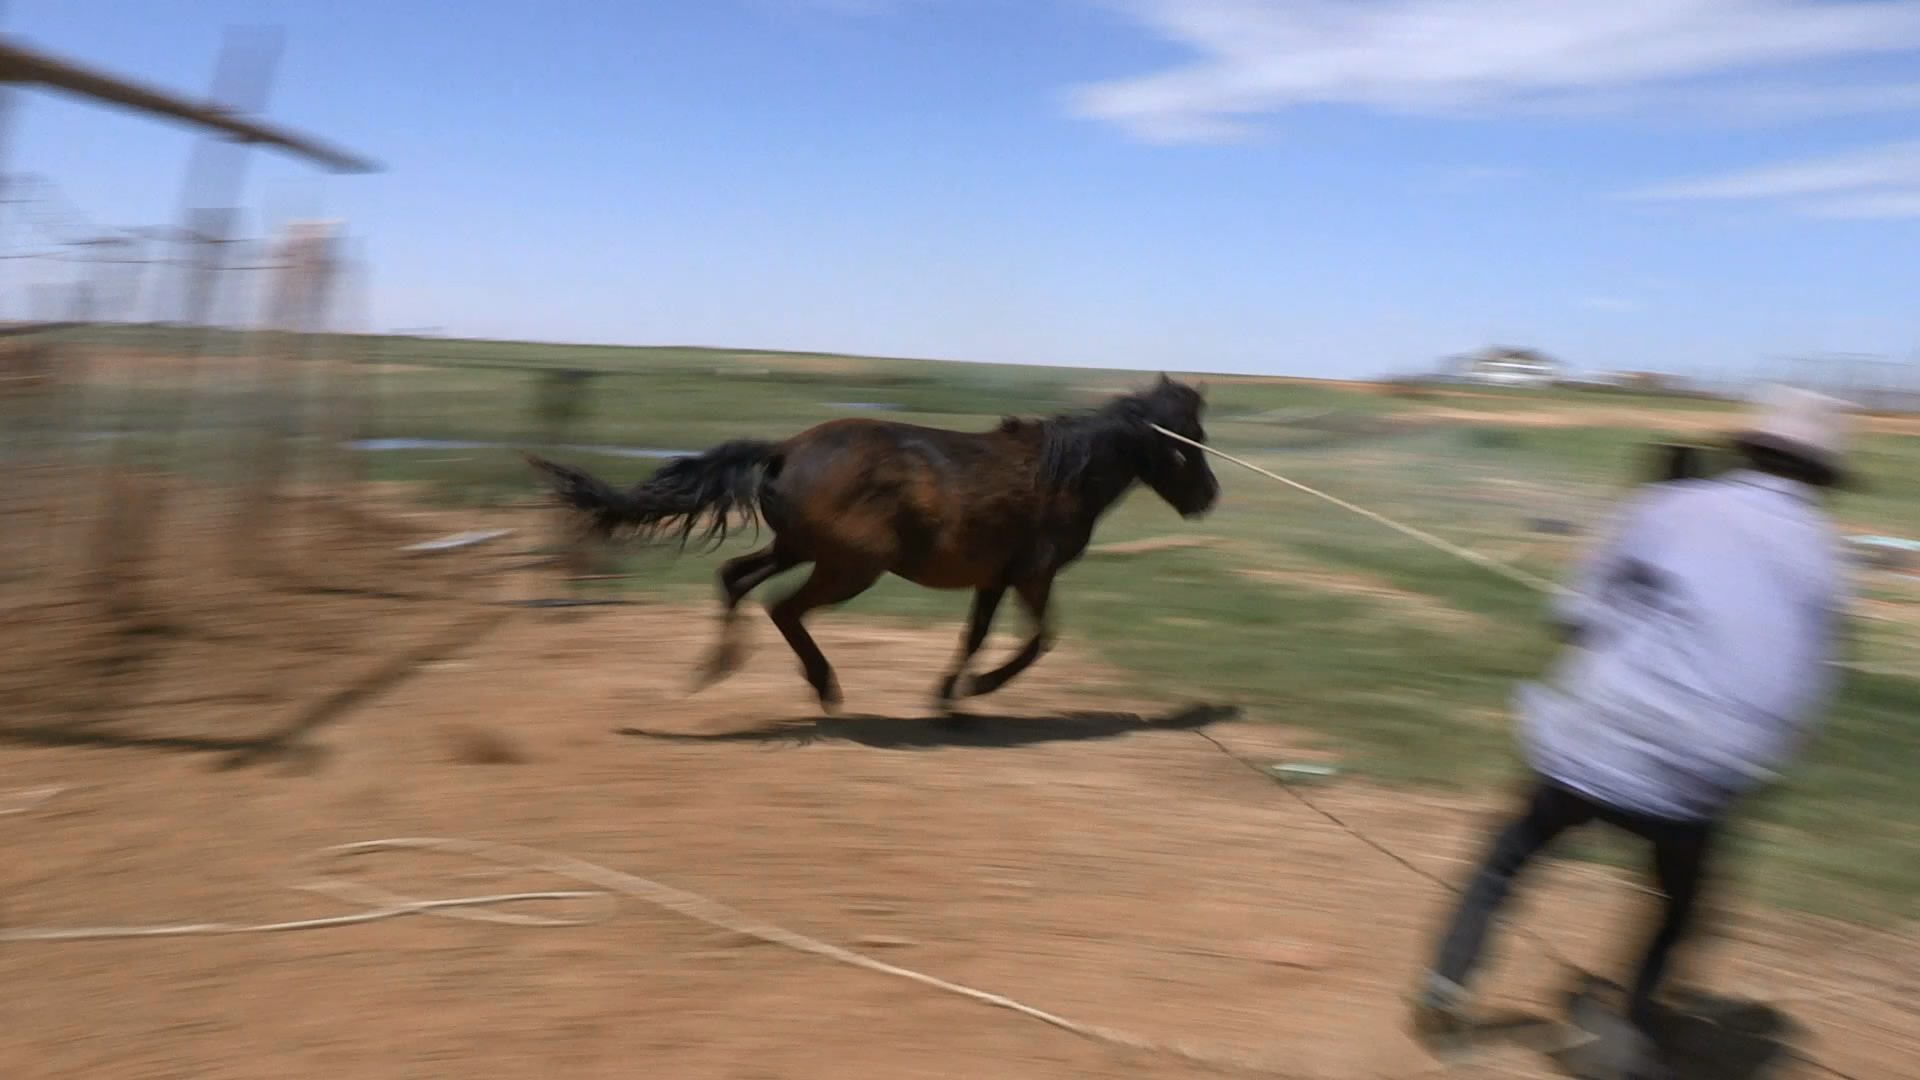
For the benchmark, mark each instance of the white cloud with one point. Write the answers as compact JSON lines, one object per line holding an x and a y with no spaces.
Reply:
{"x":1789,"y":101}
{"x":1880,"y":166}
{"x":1472,"y":178}
{"x":1257,"y":57}
{"x":1872,"y":182}
{"x":1885,"y":205}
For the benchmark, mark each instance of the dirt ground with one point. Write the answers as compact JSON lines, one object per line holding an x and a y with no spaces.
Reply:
{"x":1078,"y":849}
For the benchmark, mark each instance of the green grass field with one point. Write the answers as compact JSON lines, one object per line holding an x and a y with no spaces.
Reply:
{"x":1399,"y":657}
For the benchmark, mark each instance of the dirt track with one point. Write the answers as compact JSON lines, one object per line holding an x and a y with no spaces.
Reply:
{"x":1066,"y":852}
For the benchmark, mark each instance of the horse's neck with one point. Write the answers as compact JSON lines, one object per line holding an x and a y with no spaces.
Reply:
{"x":1098,"y":495}
{"x":1076,"y":510}
{"x":1109,"y":489}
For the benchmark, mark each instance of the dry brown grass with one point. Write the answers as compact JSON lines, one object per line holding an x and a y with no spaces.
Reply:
{"x":1148,"y":545}
{"x":1388,"y":596}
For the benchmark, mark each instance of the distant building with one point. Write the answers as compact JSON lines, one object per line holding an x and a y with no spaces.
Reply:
{"x":1500,"y":365}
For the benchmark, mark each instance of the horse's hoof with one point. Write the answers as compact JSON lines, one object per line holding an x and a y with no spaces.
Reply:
{"x":829,"y":698}
{"x":944,"y":694}
{"x":724,"y":661}
{"x":704,"y":679}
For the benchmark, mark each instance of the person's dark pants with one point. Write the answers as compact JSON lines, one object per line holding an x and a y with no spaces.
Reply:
{"x":1679,"y":858}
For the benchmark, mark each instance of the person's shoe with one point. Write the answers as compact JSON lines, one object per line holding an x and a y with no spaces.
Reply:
{"x":1611,"y":1046}
{"x":1438,"y":1014}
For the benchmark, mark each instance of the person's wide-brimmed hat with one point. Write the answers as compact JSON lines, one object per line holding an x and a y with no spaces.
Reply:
{"x":1807,"y":425}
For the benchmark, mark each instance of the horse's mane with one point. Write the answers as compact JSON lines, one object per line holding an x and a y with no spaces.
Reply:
{"x":1071,"y":442}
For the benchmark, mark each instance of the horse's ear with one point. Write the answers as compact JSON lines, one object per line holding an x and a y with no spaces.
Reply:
{"x":1164,"y":381}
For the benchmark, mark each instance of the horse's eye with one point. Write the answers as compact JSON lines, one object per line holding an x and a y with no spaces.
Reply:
{"x":1180,"y":458}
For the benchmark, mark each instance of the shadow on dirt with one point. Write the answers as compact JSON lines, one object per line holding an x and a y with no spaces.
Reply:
{"x":300,"y":758}
{"x":959,"y":730}
{"x":286,"y":740}
{"x":56,"y":735}
{"x":1701,"y":1036}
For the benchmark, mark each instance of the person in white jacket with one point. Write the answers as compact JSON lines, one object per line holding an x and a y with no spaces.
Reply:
{"x":1702,"y":630}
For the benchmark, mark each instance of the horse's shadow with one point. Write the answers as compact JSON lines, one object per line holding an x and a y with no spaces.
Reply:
{"x":958,"y":730}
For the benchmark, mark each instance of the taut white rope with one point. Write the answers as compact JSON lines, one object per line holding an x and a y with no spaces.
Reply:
{"x":1511,"y":573}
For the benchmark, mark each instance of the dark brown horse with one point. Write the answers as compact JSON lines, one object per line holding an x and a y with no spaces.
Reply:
{"x":858,"y":498}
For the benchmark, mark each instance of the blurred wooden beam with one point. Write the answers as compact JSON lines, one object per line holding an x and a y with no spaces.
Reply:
{"x":19,"y":64}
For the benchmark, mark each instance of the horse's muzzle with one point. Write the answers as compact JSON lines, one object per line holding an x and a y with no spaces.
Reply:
{"x":1196,"y":510}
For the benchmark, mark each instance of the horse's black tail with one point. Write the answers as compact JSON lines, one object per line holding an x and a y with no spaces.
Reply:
{"x":715,"y":488}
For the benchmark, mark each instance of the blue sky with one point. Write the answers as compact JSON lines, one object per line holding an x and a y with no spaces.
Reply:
{"x":1327,"y":187}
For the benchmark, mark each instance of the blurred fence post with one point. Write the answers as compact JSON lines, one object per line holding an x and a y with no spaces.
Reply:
{"x":27,"y":372}
{"x":297,"y":305}
{"x":343,"y":390}
{"x":561,"y":397}
{"x":54,"y":432}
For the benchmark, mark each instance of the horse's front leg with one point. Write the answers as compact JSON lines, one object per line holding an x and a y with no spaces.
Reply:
{"x":1034,"y":594}
{"x":986,"y":601}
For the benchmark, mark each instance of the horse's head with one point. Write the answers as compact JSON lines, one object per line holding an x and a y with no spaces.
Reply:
{"x":1175,"y":471}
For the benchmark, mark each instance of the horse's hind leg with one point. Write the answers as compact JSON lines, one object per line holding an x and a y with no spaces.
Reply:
{"x":1034,"y":595}
{"x":738,"y":577}
{"x":828,"y":584}
{"x":985,"y":602}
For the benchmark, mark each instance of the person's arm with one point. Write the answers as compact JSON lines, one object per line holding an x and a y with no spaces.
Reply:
{"x":1768,"y":752}
{"x":1579,"y":606}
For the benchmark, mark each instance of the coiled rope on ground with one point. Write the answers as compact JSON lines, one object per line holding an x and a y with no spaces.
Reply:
{"x":608,"y":885}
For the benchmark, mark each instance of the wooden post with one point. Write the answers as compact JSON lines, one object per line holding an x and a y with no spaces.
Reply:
{"x":295,"y":313}
{"x":343,"y":388}
{"x":134,"y":510}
